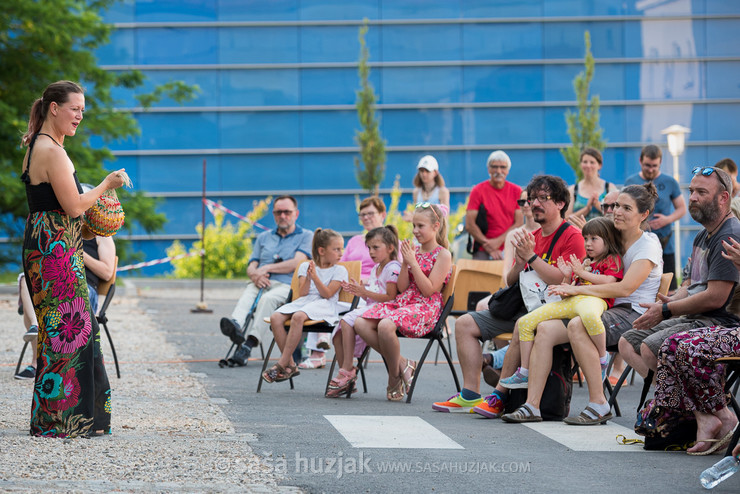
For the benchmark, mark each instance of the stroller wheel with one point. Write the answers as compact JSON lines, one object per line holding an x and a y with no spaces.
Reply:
{"x":223,"y":363}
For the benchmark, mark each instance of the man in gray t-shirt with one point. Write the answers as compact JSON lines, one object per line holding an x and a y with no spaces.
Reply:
{"x":703,"y":297}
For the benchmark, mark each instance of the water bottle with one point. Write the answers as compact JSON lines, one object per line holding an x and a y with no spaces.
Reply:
{"x":719,"y":471}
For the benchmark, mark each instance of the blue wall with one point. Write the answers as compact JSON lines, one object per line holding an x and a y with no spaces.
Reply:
{"x":456,"y":79}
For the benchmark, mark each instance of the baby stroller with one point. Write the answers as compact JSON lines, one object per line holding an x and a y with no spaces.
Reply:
{"x":239,"y":356}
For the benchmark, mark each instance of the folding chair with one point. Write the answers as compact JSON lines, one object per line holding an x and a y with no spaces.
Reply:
{"x":475,"y":280}
{"x":665,"y":282}
{"x":107,"y":289}
{"x":354,"y":268}
{"x":732,"y":371}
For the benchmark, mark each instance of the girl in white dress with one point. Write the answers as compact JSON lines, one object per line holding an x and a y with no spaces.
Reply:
{"x":319,"y":282}
{"x":382,"y":243}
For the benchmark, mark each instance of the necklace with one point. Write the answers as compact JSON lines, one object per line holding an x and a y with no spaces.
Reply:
{"x":54,"y":140}
{"x":722,"y":222}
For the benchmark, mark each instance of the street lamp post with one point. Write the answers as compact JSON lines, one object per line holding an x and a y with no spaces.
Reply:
{"x":676,"y":136}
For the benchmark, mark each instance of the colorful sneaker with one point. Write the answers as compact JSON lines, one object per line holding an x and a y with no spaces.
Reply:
{"x":27,"y":373}
{"x":492,"y":407}
{"x":456,"y":403}
{"x":517,"y":381}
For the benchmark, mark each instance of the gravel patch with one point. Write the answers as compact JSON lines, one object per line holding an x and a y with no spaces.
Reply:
{"x":168,"y":435}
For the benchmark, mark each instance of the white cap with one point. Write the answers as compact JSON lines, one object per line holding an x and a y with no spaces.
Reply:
{"x":428,"y":163}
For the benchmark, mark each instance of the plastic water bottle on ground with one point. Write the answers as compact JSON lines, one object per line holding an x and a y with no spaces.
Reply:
{"x":719,"y":471}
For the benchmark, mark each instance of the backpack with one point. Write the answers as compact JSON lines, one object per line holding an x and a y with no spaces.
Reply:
{"x":555,"y":403}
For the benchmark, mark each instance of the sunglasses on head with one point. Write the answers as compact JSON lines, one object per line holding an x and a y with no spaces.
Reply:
{"x":707,"y":171}
{"x":426,"y":205}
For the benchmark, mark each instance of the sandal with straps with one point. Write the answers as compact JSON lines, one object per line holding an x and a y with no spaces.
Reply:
{"x":520,"y":415}
{"x":410,"y":364}
{"x":277,"y":373}
{"x":342,"y":384}
{"x":585,"y":419}
{"x":396,"y":392}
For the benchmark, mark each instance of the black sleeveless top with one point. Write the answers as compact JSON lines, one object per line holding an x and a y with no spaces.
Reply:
{"x":41,"y":197}
{"x":91,"y":248}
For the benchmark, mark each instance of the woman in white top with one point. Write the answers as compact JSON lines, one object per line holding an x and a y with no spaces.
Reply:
{"x":429,"y":186}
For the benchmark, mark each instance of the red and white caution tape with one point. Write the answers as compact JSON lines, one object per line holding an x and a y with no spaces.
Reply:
{"x":159,"y":261}
{"x":211,"y":205}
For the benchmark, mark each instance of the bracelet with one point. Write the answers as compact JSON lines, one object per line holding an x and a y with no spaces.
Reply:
{"x":666,"y":311}
{"x":531,"y":259}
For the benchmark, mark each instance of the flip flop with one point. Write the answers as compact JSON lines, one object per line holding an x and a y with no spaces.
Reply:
{"x":584,"y":419}
{"x":718,"y":444}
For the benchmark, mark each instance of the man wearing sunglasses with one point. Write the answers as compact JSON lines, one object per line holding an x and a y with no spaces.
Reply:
{"x":707,"y":290}
{"x":275,"y":256}
{"x":669,"y":207}
{"x":492,"y":209}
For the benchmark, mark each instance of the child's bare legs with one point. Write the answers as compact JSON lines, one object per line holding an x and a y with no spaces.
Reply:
{"x":525,"y":349}
{"x":600,"y":343}
{"x":368,"y":331}
{"x":348,"y":346}
{"x":338,"y":342}
{"x":285,"y":339}
{"x":390,"y":349}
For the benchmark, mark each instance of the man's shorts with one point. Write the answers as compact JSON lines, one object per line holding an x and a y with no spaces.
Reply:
{"x":655,"y":337}
{"x":490,"y":326}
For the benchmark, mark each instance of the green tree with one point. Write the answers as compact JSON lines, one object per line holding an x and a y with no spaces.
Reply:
{"x":370,"y":167}
{"x":583,"y":126}
{"x":43,"y":41}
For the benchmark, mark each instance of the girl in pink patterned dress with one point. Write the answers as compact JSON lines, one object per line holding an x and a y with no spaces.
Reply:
{"x":424,"y":272}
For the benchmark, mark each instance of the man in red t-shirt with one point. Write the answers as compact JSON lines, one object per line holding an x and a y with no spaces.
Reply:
{"x":502,"y":213}
{"x":548,"y":197}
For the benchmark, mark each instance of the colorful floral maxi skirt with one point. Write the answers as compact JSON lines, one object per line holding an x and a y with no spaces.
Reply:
{"x":687,"y":378}
{"x":71,"y":395}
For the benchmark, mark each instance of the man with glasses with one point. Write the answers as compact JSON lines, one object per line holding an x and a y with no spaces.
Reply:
{"x":669,"y":207}
{"x":275,"y":256}
{"x":705,"y":293}
{"x":492,"y":209}
{"x":548,"y":197}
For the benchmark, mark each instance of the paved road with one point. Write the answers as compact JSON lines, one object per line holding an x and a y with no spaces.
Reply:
{"x":295,"y":432}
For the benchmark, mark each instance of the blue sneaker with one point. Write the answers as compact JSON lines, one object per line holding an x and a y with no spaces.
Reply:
{"x":603,"y":370}
{"x":517,"y":381}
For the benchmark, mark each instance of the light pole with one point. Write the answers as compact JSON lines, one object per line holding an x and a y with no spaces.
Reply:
{"x":676,"y":136}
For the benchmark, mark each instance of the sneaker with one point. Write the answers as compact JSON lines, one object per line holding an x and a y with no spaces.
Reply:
{"x":31,"y":334}
{"x":232,"y":329}
{"x":603,"y":371}
{"x":456,"y":403}
{"x":27,"y":373}
{"x":241,"y":356}
{"x":492,"y":406}
{"x":517,"y":381}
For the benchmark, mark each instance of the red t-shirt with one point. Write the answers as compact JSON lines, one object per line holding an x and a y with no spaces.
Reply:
{"x":609,"y":267}
{"x":570,"y":242}
{"x":500,"y":205}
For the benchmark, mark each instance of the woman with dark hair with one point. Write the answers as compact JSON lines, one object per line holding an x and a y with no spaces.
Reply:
{"x":72,"y":395}
{"x":643,"y":268}
{"x":587,"y":193}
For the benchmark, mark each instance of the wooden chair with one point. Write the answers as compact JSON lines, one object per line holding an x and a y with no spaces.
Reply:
{"x":354,"y":268}
{"x":475,"y":280}
{"x":435,"y":335}
{"x":665,"y":282}
{"x":106,"y":290}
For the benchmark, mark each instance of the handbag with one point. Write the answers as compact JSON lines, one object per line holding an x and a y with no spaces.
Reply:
{"x":506,"y":302}
{"x":533,"y":288}
{"x":664,"y":428}
{"x":106,"y":216}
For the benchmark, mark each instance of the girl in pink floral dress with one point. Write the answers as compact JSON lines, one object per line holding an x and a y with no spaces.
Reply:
{"x":424,"y":272}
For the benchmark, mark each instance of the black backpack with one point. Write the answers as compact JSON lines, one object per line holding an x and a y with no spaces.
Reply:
{"x":555,"y":403}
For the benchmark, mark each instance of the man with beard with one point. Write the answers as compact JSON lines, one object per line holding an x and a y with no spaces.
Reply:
{"x":495,"y":201}
{"x":705,"y":293}
{"x":548,"y":197}
{"x":669,"y":207}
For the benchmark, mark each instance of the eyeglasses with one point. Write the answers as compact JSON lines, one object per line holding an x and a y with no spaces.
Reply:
{"x":707,"y":171}
{"x":283,"y":212}
{"x":542,"y":199}
{"x":427,"y":205}
{"x":607,"y":206}
{"x":521,"y":202}
{"x":367,"y":215}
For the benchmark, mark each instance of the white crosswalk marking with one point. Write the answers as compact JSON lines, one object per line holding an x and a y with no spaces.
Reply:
{"x":377,"y":431}
{"x":588,"y":438}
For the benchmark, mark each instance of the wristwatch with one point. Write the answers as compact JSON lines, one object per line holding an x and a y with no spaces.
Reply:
{"x":666,"y":311}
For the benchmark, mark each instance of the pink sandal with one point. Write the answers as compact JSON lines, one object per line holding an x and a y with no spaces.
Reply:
{"x":342,"y":384}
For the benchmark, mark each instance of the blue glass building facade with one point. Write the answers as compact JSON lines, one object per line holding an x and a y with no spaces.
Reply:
{"x":456,"y":79}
